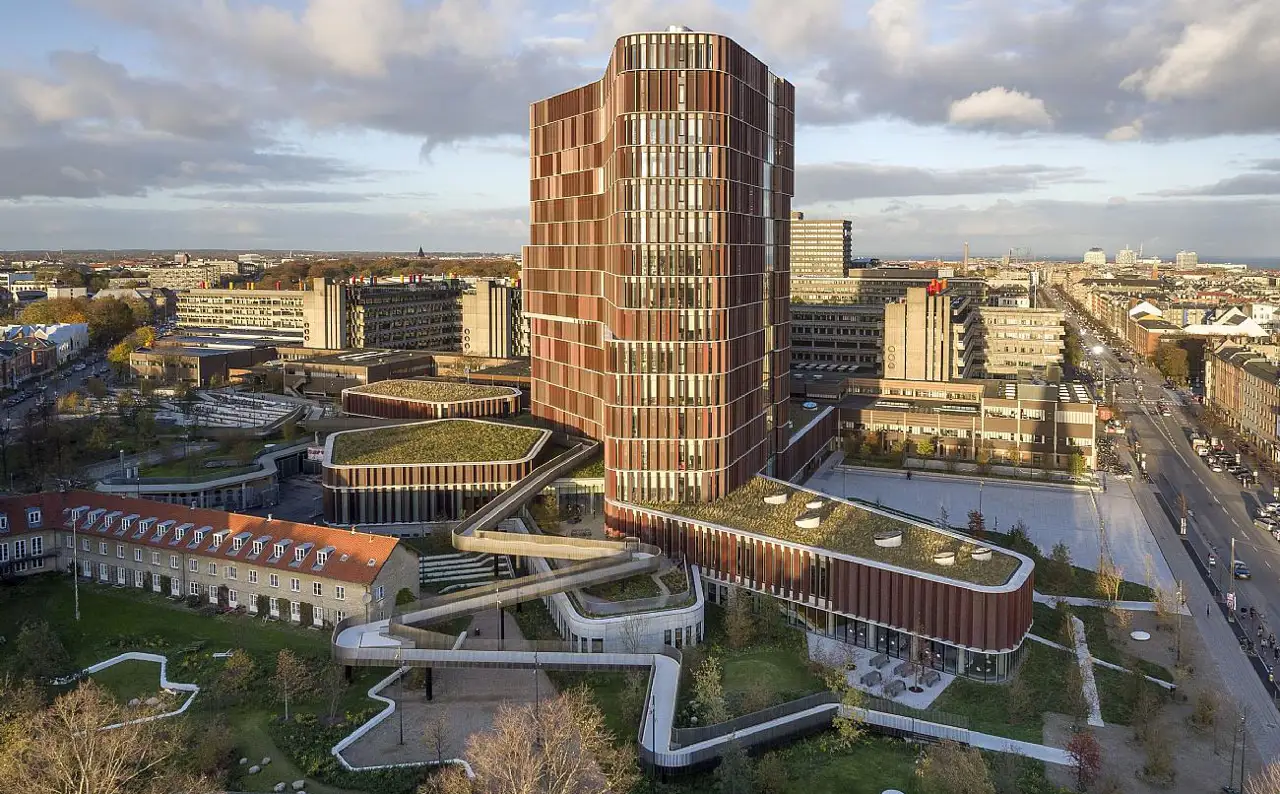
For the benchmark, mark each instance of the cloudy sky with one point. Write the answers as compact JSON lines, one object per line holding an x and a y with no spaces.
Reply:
{"x":388,"y":124}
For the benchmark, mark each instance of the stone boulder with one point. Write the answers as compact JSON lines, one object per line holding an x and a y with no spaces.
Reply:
{"x":134,"y":703}
{"x":299,"y":785}
{"x":153,"y":701}
{"x":279,"y":787}
{"x":244,"y":761}
{"x":255,"y":769}
{"x":266,"y":760}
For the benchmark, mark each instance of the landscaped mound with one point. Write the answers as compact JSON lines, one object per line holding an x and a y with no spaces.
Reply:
{"x":432,"y":391}
{"x":443,"y":441}
{"x":846,"y":529}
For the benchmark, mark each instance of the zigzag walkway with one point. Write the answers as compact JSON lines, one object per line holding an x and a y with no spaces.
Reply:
{"x":405,"y":641}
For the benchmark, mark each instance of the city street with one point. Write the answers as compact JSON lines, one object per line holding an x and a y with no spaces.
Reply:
{"x":1220,"y":510}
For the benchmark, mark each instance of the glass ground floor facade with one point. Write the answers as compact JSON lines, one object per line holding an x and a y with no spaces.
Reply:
{"x":894,"y":643}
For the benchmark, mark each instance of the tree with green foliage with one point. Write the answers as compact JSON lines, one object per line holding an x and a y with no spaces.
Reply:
{"x":405,"y":596}
{"x":771,"y":774}
{"x":925,"y":447}
{"x":1058,"y":570}
{"x":734,"y":774}
{"x":1171,"y":360}
{"x":238,"y":672}
{"x":708,"y":692}
{"x":38,"y":652}
{"x":1076,"y":465}
{"x":740,"y":620}
{"x":306,"y":614}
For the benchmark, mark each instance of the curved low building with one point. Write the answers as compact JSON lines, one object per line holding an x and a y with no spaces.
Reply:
{"x":425,"y":471}
{"x":854,"y":572}
{"x":414,"y":398}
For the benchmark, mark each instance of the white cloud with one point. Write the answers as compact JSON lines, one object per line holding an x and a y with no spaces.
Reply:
{"x":1000,"y":107}
{"x":1127,"y":132}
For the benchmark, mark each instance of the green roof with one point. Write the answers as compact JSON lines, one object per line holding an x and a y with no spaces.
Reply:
{"x":433,"y":391}
{"x":844,"y":528}
{"x":439,"y":442}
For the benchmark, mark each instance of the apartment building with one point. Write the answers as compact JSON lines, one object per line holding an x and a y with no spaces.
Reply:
{"x":841,"y":334}
{"x":820,"y":247}
{"x":291,"y":571}
{"x":1241,"y":382}
{"x":874,"y":285}
{"x":656,"y":278}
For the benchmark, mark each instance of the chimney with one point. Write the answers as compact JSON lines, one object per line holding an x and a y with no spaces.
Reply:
{"x":268,"y":517}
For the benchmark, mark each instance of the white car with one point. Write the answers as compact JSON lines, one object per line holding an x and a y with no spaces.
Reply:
{"x":1215,"y":466}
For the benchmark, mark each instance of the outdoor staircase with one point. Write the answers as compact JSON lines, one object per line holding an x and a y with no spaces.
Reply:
{"x":461,"y":570}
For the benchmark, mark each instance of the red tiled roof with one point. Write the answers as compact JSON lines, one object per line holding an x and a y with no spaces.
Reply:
{"x":355,"y":557}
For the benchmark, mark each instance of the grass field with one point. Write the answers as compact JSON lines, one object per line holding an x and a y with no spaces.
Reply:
{"x":117,"y":620}
{"x":987,"y":705}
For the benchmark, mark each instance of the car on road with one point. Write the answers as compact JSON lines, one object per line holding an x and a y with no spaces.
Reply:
{"x":1265,"y":523}
{"x":1241,"y":571}
{"x":1215,"y":466}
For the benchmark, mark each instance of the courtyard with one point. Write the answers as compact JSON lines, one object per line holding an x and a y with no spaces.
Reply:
{"x":1052,"y":514}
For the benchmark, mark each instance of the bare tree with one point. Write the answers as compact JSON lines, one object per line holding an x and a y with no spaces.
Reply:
{"x":1265,"y":780}
{"x":950,"y":768}
{"x":1086,"y":757}
{"x":334,"y":683}
{"x":293,"y":678}
{"x":561,"y":747}
{"x":447,"y":780}
{"x":436,"y":736}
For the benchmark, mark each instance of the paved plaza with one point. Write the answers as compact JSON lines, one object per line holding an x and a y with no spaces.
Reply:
{"x":1051,"y":513}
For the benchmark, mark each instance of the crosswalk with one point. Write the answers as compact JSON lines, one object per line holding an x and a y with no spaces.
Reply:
{"x":1136,"y":401}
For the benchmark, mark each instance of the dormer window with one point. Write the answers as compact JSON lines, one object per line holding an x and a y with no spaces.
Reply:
{"x":179,"y":532}
{"x":145,"y":525}
{"x":4,"y":523}
{"x":237,"y":544}
{"x":321,"y":558}
{"x":299,"y":554}
{"x":34,"y":517}
{"x":277,"y":550}
{"x":257,"y":547}
{"x":218,"y":537}
{"x":199,"y":536}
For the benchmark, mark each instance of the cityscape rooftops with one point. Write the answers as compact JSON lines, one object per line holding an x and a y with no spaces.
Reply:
{"x":438,"y":442}
{"x":862,"y":532}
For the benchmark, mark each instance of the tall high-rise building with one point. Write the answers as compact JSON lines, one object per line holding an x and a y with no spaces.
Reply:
{"x":1126,"y":257}
{"x":1096,"y":257}
{"x":657,"y":271}
{"x":820,"y":247}
{"x":919,"y":337}
{"x":1186,"y":259}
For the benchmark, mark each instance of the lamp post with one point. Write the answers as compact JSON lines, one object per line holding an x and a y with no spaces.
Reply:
{"x":75,"y":566}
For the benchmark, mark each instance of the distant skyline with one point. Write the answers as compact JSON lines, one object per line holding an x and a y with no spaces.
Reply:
{"x":1054,"y":125}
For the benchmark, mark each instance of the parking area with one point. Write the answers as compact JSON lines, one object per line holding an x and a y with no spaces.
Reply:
{"x":1052,"y":514}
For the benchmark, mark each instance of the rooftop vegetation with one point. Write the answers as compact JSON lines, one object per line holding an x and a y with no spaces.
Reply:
{"x":434,"y":391}
{"x":443,"y":441}
{"x":846,"y":529}
{"x":590,"y":469}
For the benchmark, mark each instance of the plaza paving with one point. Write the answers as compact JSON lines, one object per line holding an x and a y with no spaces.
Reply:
{"x":1051,"y":513}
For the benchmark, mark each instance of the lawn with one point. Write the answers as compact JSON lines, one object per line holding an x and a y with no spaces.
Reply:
{"x":428,"y":443}
{"x":129,"y":680}
{"x":438,"y":542}
{"x":629,"y":589}
{"x":874,"y":765}
{"x":1082,"y":582}
{"x":676,"y":580}
{"x":987,"y":705}
{"x":117,"y":620}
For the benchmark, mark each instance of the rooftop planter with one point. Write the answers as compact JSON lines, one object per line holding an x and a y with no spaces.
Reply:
{"x":889,"y":538}
{"x":439,"y":442}
{"x":432,"y":391}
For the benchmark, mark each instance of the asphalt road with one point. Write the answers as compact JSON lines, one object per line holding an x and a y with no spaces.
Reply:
{"x":16,"y":414}
{"x":1221,"y":510}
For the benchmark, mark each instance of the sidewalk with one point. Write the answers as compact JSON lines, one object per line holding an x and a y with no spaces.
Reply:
{"x":1239,"y":680}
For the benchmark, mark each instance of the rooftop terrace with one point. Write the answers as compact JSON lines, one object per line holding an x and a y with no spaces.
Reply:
{"x":432,"y":391}
{"x":847,"y":529}
{"x":438,"y":442}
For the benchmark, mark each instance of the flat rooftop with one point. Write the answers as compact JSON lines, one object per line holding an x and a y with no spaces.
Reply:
{"x":366,"y":357}
{"x":847,"y":529}
{"x":442,"y":441}
{"x":802,"y":416}
{"x":432,"y":391}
